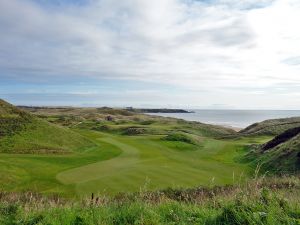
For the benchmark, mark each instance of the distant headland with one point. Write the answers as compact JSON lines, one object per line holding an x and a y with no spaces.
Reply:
{"x":158,"y":110}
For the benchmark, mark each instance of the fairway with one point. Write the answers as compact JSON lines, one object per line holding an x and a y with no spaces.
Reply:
{"x":127,"y":164}
{"x":147,"y":162}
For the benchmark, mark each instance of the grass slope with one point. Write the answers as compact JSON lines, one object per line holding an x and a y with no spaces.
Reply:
{"x":281,"y":154}
{"x":21,"y":132}
{"x":271,"y":127}
{"x":12,"y":119}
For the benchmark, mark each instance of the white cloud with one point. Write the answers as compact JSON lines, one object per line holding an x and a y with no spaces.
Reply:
{"x":228,"y":47}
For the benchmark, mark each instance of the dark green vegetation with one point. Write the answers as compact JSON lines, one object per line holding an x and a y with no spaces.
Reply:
{"x":285,"y":136}
{"x":281,"y":154}
{"x":180,"y":137}
{"x":259,"y":201}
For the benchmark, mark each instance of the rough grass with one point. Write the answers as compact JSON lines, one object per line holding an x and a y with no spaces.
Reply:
{"x":41,"y":137}
{"x":282,"y":158}
{"x":261,"y":201}
{"x":281,"y":138}
{"x":179,"y":137}
{"x":21,"y":132}
{"x":271,"y":127}
{"x":12,"y":120}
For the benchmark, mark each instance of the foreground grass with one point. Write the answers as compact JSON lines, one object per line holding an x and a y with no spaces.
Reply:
{"x":260,"y":201}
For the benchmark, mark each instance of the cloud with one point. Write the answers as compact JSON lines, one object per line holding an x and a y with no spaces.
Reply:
{"x":211,"y":46}
{"x":245,"y":4}
{"x":294,"y":61}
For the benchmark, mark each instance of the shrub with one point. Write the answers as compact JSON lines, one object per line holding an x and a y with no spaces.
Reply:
{"x":134,"y":131}
{"x":179,"y":137}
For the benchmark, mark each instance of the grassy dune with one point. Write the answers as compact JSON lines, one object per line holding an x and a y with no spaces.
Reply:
{"x":41,"y":137}
{"x":22,"y":132}
{"x":280,"y":155}
{"x":271,"y":127}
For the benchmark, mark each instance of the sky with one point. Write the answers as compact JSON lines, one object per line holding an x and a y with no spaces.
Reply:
{"x":212,"y":54}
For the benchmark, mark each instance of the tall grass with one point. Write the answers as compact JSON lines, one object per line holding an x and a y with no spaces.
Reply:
{"x":260,"y":201}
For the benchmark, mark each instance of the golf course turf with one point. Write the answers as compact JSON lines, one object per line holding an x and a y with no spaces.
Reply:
{"x":111,"y":166}
{"x":126,"y":164}
{"x":74,"y":152}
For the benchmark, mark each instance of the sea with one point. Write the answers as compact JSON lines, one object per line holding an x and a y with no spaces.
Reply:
{"x":231,"y":118}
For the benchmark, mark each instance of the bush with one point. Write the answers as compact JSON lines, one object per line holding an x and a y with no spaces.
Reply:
{"x":134,"y":131}
{"x":179,"y":137}
{"x":287,"y":135}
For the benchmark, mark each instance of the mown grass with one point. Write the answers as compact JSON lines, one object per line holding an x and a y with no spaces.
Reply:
{"x":121,"y":163}
{"x":261,"y":201}
{"x":149,"y":160}
{"x":37,"y":172}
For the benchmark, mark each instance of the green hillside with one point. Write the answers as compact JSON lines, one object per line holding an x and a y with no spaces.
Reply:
{"x":21,"y":132}
{"x":109,"y":151}
{"x":281,"y":154}
{"x":271,"y":127}
{"x":130,"y":151}
{"x":124,"y":122}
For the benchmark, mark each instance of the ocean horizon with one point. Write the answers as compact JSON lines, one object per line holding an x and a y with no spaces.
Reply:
{"x":231,"y":117}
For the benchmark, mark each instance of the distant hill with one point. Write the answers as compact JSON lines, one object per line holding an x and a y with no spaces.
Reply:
{"x":22,"y":132}
{"x":122,"y":121}
{"x":83,"y":111}
{"x":271,"y":127}
{"x":158,"y":110}
{"x":281,"y":154}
